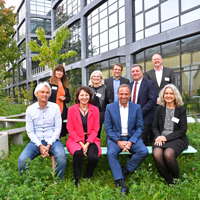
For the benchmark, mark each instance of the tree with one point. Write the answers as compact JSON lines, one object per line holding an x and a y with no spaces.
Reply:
{"x":49,"y":51}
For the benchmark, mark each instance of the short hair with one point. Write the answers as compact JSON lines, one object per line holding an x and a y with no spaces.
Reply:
{"x":86,"y":89}
{"x":156,"y":54}
{"x":178,"y":99}
{"x":137,"y":65}
{"x":124,"y":85}
{"x":40,"y":86}
{"x":92,"y":74}
{"x":118,"y":64}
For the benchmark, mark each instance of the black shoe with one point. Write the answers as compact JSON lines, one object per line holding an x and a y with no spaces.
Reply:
{"x":124,"y":171}
{"x":117,"y":183}
{"x":77,"y":182}
{"x":124,"y":188}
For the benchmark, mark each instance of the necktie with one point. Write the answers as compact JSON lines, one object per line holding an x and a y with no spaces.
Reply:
{"x":134,"y":92}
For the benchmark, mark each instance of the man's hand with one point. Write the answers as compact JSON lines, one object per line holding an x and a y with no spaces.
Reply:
{"x":44,"y":150}
{"x":121,"y":144}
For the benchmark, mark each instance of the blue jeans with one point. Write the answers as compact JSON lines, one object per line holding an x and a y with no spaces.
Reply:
{"x":140,"y":153}
{"x":31,"y":151}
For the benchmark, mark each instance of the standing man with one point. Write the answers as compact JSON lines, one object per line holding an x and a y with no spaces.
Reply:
{"x":114,"y":82}
{"x":124,"y":124}
{"x":43,"y":126}
{"x":160,"y":75}
{"x":145,"y":94}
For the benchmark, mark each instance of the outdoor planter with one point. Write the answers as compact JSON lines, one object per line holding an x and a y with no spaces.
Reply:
{"x":4,"y":144}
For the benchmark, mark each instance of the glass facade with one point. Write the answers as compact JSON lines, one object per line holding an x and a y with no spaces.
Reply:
{"x":22,"y":31}
{"x":15,"y":80}
{"x":21,"y":13}
{"x":39,"y":22}
{"x":106,"y":67}
{"x":40,"y":7}
{"x":22,"y":70}
{"x":65,"y":10}
{"x":106,"y":27}
{"x":73,"y":43}
{"x":75,"y":75}
{"x":153,"y":17}
{"x":22,"y":48}
{"x":88,"y":2}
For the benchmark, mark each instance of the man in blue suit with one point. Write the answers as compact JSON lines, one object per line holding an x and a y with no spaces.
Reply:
{"x":124,"y":124}
{"x":144,"y":93}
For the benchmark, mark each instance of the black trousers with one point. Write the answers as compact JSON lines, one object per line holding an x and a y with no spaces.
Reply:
{"x":99,"y":132}
{"x":147,"y":135}
{"x":92,"y":156}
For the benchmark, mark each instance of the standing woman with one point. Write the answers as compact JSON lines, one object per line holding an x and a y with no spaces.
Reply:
{"x":169,"y":129}
{"x":60,"y":93}
{"x":101,"y":95}
{"x":83,"y":126}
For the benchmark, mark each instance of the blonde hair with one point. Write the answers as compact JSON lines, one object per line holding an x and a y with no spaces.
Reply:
{"x":178,"y":99}
{"x":92,"y":74}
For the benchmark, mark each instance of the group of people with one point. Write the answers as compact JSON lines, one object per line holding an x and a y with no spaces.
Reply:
{"x":134,"y":116}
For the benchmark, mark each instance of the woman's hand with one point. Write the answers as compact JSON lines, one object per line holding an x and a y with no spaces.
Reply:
{"x":62,"y":98}
{"x":160,"y":140}
{"x":84,"y":147}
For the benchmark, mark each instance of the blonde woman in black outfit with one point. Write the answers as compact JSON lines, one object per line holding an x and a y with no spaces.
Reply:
{"x":169,"y":129}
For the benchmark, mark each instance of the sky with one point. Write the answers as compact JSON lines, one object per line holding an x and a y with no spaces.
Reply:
{"x":12,"y":3}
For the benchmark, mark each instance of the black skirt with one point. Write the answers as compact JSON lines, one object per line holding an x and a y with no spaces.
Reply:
{"x":177,"y":145}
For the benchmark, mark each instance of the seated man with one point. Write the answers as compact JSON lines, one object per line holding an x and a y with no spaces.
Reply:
{"x":124,"y":124}
{"x":43,"y":126}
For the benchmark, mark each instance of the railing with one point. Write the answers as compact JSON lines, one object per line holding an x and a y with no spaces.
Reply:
{"x":39,"y":70}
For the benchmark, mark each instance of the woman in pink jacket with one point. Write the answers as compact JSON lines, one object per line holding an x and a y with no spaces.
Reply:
{"x":83,"y":126}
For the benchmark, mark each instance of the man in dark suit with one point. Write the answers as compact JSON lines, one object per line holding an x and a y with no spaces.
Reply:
{"x":144,"y":93}
{"x":124,"y":124}
{"x":160,"y":75}
{"x":115,"y":81}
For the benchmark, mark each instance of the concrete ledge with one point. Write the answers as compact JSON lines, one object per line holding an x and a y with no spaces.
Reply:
{"x":4,"y":144}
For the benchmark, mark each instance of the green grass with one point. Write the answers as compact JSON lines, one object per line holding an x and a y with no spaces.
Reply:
{"x":145,"y":183}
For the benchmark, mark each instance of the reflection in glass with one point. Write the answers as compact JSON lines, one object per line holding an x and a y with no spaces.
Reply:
{"x":170,"y":24}
{"x":113,"y":34}
{"x":169,"y":9}
{"x":151,"y":17}
{"x":190,"y":42}
{"x":138,"y":6}
{"x":151,"y":51}
{"x":152,"y":31}
{"x":170,"y":48}
{"x":187,"y":4}
{"x":149,"y":4}
{"x":139,"y":22}
{"x":22,"y":70}
{"x":172,"y":61}
{"x":44,"y":23}
{"x":113,"y":19}
{"x":191,"y":16}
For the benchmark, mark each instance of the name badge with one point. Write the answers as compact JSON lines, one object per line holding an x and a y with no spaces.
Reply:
{"x":166,"y":79}
{"x":176,"y":120}
{"x":98,"y":95}
{"x":54,"y":88}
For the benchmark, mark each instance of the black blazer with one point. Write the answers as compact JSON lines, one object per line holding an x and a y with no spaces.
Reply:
{"x":109,"y":83}
{"x":147,"y":98}
{"x":180,"y":128}
{"x":52,"y":98}
{"x":167,"y":73}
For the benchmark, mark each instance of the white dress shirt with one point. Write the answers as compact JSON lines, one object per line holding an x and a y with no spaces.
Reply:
{"x":124,"y":119}
{"x":159,"y":75}
{"x":137,"y":90}
{"x":43,"y":124}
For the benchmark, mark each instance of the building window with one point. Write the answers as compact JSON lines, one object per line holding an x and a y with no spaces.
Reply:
{"x":106,"y":27}
{"x":22,"y":31}
{"x":22,"y":48}
{"x":88,"y":2}
{"x":21,"y":13}
{"x":65,"y":10}
{"x":152,"y":17}
{"x":73,"y":43}
{"x":15,"y":71}
{"x":40,"y":7}
{"x":75,"y":75}
{"x":44,"y":23}
{"x":106,"y":67}
{"x":22,"y":70}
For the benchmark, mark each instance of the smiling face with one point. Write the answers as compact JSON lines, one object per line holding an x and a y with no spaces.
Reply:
{"x":96,"y":78}
{"x":136,"y":73}
{"x":117,"y":70}
{"x":43,"y":95}
{"x":169,"y":96}
{"x":83,"y":97}
{"x":124,"y":95}
{"x":157,"y":61}
{"x":59,"y":74}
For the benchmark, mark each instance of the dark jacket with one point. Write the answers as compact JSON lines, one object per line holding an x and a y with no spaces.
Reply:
{"x":180,"y":128}
{"x":109,"y":83}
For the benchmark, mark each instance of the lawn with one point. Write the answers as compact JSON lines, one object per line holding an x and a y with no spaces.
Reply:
{"x":145,"y":183}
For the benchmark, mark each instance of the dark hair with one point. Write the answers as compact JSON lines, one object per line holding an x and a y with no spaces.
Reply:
{"x":86,"y":89}
{"x":118,"y":64}
{"x":137,"y":65}
{"x":53,"y":79}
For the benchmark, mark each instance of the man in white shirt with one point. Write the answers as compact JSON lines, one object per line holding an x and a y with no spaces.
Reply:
{"x":43,"y":126}
{"x":160,"y":75}
{"x":124,"y":124}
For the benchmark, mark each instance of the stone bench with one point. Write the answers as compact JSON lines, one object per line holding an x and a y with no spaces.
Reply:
{"x":9,"y":122}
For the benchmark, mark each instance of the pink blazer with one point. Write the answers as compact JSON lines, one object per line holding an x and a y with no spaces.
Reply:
{"x":75,"y":128}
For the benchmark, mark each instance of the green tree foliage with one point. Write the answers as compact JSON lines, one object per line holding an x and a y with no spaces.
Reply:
{"x":49,"y":51}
